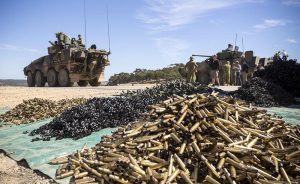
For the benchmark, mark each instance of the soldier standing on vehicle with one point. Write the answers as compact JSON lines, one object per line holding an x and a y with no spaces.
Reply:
{"x":226,"y":77}
{"x":80,"y":41}
{"x":191,"y":68}
{"x":284,"y":55}
{"x":214,"y":71}
{"x":91,"y":65}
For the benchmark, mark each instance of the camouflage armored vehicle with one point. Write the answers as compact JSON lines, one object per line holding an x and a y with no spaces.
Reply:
{"x":228,"y":54}
{"x":68,"y":61}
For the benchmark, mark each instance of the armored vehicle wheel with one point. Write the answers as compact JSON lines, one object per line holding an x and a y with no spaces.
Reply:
{"x":82,"y":83}
{"x":52,"y":78}
{"x":30,"y":80}
{"x":39,"y":79}
{"x":63,"y":78}
{"x":94,"y":82}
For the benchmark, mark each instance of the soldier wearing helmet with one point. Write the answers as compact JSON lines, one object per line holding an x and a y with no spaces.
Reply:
{"x":80,"y":41}
{"x":191,"y":68}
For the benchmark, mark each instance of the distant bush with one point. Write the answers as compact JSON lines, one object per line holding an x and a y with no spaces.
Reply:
{"x":144,"y":75}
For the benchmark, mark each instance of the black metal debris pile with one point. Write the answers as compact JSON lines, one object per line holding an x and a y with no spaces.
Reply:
{"x":36,"y":109}
{"x":283,"y":73}
{"x":263,"y":93}
{"x":99,"y":113}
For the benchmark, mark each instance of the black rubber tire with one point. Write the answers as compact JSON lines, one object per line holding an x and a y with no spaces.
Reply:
{"x":82,"y":83}
{"x":30,"y":80}
{"x":39,"y":79}
{"x":94,"y":82}
{"x":52,"y":78}
{"x":63,"y":78}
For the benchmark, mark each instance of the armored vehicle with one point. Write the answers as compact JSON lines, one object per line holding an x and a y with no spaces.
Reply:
{"x":68,"y":61}
{"x":228,"y":54}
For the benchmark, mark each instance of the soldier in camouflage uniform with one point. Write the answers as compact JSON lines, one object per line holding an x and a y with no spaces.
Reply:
{"x":93,"y":63}
{"x":80,"y":41}
{"x":191,"y":68}
{"x":226,"y":73}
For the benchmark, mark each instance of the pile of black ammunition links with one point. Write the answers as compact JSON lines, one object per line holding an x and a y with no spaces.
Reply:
{"x":264,"y":94}
{"x":99,"y":113}
{"x":283,"y":73}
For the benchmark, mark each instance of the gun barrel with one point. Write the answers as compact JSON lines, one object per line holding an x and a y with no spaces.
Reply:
{"x":51,"y":43}
{"x":201,"y":55}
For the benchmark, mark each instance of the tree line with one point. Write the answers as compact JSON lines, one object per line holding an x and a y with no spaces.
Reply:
{"x":143,"y":75}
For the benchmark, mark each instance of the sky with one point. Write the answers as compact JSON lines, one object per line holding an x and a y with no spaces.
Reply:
{"x":148,"y":34}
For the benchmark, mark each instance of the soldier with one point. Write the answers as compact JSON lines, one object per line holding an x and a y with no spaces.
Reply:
{"x":80,"y":41}
{"x":91,"y":65}
{"x":191,"y":68}
{"x":234,"y":68}
{"x":74,"y":43}
{"x":226,"y":76}
{"x":284,"y":55}
{"x":238,"y":74}
{"x":214,"y":71}
{"x":245,"y":69}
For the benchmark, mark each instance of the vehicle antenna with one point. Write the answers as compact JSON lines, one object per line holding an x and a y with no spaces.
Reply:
{"x":235,"y":39}
{"x":84,"y":12}
{"x":108,"y":30}
{"x":243,"y":44}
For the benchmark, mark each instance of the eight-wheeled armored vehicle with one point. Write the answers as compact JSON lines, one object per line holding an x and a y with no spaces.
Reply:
{"x":68,"y":61}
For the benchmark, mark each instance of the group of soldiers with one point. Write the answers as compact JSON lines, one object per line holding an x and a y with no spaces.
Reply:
{"x":64,"y":42}
{"x":232,"y":73}
{"x":281,"y":55}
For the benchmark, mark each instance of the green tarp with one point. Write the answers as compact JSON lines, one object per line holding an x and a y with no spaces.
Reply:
{"x":38,"y":153}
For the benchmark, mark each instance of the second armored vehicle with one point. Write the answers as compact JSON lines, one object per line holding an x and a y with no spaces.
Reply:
{"x":231,"y":55}
{"x":68,"y":61}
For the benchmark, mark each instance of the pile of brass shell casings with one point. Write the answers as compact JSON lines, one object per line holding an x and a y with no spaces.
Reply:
{"x":202,"y":138}
{"x":36,"y":109}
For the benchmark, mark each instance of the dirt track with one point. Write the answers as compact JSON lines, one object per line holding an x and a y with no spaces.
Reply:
{"x":11,"y":96}
{"x":11,"y":172}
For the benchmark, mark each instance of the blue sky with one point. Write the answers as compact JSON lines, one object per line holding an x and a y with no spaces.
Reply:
{"x":147,"y":33}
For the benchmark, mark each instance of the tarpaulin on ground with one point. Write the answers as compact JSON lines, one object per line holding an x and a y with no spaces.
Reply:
{"x":39,"y":153}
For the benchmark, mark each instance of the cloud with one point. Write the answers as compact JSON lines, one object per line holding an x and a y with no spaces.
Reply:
{"x":291,"y":2}
{"x":216,"y":22}
{"x":291,"y":40}
{"x":170,"y":15}
{"x":16,"y":48}
{"x":271,"y":23}
{"x":170,"y":48}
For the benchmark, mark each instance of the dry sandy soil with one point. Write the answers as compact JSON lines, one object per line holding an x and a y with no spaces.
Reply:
{"x":12,"y":173}
{"x":11,"y":96}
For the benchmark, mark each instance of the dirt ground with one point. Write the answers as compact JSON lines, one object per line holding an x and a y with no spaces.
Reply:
{"x":11,"y":96}
{"x":12,"y":173}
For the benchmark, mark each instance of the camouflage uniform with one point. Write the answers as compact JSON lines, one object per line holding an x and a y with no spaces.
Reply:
{"x":191,"y":68}
{"x":227,"y":68}
{"x":80,"y":41}
{"x":214,"y":71}
{"x":91,"y":65}
{"x":245,"y":69}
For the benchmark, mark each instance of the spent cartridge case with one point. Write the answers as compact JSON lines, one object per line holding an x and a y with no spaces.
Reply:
{"x":211,"y":180}
{"x":180,"y":163}
{"x":186,"y":177}
{"x":173,"y":176}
